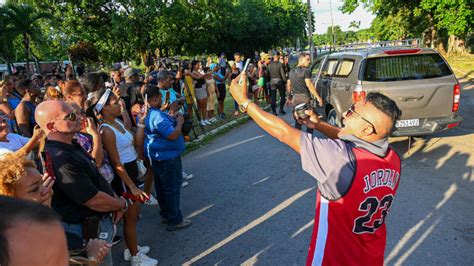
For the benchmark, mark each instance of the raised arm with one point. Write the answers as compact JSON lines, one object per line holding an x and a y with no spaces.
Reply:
{"x":22,"y":114}
{"x":273,"y":125}
{"x":97,"y":150}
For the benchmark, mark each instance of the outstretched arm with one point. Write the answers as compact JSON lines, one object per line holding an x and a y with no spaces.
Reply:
{"x":275,"y":126}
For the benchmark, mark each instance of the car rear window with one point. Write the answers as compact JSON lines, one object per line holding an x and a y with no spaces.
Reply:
{"x":405,"y":67}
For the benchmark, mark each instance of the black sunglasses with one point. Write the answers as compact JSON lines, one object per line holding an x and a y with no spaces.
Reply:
{"x":352,"y":110}
{"x":72,"y":117}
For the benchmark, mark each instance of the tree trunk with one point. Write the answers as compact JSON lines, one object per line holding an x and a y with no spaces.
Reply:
{"x":456,"y":45}
{"x":437,"y":41}
{"x":26,"y":42}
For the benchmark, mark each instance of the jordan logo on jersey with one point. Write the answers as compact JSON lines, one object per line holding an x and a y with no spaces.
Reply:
{"x":381,"y":178}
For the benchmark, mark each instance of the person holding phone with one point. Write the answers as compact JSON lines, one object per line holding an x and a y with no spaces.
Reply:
{"x":163,"y":145}
{"x":80,"y":191}
{"x":118,"y":141}
{"x":357,"y":175}
{"x":200,"y":90}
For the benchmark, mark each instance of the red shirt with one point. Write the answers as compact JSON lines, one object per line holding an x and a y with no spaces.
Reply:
{"x":351,"y":230}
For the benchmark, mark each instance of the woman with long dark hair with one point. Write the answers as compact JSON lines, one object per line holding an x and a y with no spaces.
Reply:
{"x":118,"y":142}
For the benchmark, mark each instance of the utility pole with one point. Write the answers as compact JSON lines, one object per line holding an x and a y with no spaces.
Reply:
{"x":332,"y":28}
{"x":310,"y":31}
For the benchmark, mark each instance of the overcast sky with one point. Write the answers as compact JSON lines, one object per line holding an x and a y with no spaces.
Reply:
{"x":322,"y":13}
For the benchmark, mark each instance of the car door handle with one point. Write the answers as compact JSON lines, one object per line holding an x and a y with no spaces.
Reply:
{"x":410,"y":98}
{"x":333,"y":85}
{"x":347,"y":87}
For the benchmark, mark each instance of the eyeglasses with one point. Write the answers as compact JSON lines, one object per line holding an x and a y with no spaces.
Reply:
{"x":352,"y":110}
{"x":72,"y":117}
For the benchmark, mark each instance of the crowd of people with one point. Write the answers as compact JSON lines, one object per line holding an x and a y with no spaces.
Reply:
{"x":91,"y":147}
{"x":80,"y":154}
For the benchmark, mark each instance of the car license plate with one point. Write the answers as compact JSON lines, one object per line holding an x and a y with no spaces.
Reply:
{"x":408,"y":123}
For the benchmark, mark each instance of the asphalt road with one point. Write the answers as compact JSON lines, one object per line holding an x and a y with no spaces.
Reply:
{"x":251,"y":203}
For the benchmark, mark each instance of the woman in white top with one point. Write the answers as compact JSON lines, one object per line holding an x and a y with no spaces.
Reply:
{"x":118,"y":142}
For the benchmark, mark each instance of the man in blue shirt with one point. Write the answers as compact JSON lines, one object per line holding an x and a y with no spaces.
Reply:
{"x":164,"y":145}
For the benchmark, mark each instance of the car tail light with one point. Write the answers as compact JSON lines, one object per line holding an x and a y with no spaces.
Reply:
{"x":456,"y":97}
{"x":452,"y":125}
{"x":358,"y":94}
{"x":403,"y":51}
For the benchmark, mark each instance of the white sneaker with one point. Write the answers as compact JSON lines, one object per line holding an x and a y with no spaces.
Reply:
{"x":187,"y":176}
{"x":185,"y":184}
{"x":127,"y":256}
{"x":151,"y":200}
{"x":208,"y":122}
{"x":143,"y":260}
{"x":202,"y":123}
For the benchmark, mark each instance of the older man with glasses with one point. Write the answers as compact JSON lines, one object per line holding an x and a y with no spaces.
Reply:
{"x":357,"y":174}
{"x":82,"y":197}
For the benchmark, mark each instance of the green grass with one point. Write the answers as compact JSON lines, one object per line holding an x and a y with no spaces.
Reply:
{"x":228,"y":111}
{"x":463,"y":63}
{"x":192,"y":146}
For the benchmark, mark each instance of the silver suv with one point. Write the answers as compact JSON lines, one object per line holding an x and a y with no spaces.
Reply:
{"x":418,"y":79}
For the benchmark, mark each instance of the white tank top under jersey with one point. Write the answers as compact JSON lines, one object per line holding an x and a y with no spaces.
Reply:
{"x":124,"y":143}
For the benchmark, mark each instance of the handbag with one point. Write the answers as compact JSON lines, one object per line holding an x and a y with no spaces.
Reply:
{"x":261,"y":82}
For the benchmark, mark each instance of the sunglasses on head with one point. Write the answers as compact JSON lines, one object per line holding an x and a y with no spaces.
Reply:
{"x":352,"y":110}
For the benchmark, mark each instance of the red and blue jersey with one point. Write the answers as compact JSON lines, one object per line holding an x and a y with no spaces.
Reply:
{"x":351,"y":230}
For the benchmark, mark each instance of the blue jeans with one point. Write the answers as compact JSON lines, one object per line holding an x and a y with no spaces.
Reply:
{"x":168,"y":178}
{"x":105,"y":226}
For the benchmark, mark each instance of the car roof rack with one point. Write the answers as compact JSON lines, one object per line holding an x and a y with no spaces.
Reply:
{"x":392,"y":45}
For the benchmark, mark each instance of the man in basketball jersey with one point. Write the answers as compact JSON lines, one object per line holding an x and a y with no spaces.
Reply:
{"x":356,"y":171}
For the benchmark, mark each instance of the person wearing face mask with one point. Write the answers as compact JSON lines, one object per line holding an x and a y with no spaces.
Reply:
{"x":25,"y":111}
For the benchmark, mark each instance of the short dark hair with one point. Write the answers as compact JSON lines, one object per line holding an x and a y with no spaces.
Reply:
{"x":151,"y":91}
{"x":303,"y":54}
{"x":14,"y":210}
{"x":163,"y":75}
{"x":384,"y":104}
{"x":24,"y":84}
{"x":49,"y":76}
{"x":194,"y":63}
{"x":91,"y":81}
{"x":104,"y":76}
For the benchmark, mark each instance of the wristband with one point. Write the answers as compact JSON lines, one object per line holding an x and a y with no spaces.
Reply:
{"x":125,"y":208}
{"x":140,"y":125}
{"x":243,"y":106}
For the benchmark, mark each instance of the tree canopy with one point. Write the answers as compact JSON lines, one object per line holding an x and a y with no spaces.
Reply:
{"x":436,"y":20}
{"x":130,"y":29}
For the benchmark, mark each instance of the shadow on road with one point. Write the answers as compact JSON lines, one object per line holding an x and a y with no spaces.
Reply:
{"x":442,"y":176}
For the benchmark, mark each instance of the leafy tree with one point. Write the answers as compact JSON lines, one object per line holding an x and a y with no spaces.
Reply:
{"x":354,"y":25}
{"x":434,"y":18}
{"x":23,"y":20}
